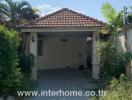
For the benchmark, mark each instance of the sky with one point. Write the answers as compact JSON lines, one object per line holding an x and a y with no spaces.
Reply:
{"x":90,"y":8}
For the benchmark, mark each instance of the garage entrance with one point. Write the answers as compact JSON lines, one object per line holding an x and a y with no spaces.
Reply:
{"x":63,"y":51}
{"x":59,"y":41}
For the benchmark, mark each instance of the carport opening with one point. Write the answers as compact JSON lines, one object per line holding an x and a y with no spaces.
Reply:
{"x":64,"y":54}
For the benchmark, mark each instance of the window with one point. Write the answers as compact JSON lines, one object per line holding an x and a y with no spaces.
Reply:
{"x":40,"y":47}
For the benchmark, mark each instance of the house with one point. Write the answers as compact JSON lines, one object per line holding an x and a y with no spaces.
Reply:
{"x":63,"y":39}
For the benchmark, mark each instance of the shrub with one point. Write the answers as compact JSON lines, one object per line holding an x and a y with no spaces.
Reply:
{"x":112,"y":63}
{"x":119,"y":89}
{"x":26,"y":61}
{"x":10,"y":75}
{"x":129,"y":18}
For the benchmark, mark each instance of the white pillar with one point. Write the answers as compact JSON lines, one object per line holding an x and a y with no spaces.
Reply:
{"x":33,"y":50}
{"x":95,"y":60}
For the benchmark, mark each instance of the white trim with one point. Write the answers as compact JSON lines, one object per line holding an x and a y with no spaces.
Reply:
{"x":60,"y":29}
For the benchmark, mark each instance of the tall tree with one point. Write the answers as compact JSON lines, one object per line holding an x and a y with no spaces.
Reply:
{"x":15,"y":12}
{"x":114,"y":20}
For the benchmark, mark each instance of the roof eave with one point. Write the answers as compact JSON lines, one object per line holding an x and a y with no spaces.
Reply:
{"x":60,"y":29}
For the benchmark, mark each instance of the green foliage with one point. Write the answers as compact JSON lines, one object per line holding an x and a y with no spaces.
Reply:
{"x":118,"y":89}
{"x":10,"y":75}
{"x":109,"y":12}
{"x":113,"y":17}
{"x":16,"y":11}
{"x":129,"y":18}
{"x":112,"y":63}
{"x":26,"y":61}
{"x":114,"y":22}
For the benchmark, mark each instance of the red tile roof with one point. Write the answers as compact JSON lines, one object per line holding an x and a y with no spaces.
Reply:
{"x":65,"y":17}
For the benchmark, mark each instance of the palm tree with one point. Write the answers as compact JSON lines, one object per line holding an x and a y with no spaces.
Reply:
{"x":114,"y":20}
{"x":15,"y":12}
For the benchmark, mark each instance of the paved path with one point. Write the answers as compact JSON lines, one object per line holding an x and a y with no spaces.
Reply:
{"x":67,"y":80}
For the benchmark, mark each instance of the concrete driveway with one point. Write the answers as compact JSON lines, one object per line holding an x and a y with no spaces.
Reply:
{"x":66,"y":80}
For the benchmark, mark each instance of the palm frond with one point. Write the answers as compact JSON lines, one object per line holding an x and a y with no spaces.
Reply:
{"x":109,"y":12}
{"x":10,"y":3}
{"x":4,"y":11}
{"x":22,"y":4}
{"x":35,"y":10}
{"x":15,"y":11}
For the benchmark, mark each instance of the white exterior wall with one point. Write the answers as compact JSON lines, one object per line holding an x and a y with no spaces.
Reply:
{"x":122,"y":48}
{"x":129,"y":42}
{"x":58,"y":54}
{"x":121,"y":43}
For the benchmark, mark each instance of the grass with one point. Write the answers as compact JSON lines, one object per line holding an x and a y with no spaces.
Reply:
{"x":117,"y":89}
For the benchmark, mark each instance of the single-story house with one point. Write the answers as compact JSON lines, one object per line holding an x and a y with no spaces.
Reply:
{"x":63,"y":39}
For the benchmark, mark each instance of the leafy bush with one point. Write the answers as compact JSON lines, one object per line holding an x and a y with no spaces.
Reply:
{"x":26,"y":62}
{"x":112,"y":63}
{"x":118,"y":90}
{"x":129,"y":18}
{"x":10,"y":75}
